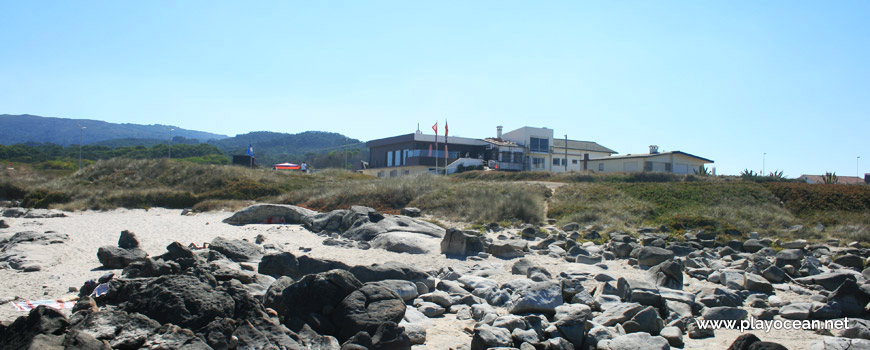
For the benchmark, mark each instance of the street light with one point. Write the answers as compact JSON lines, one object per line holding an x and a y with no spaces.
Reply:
{"x":763,"y":163}
{"x":857,"y":168}
{"x":81,"y":137}
{"x":170,"y":143}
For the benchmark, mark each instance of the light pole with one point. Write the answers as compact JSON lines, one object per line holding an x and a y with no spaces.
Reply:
{"x":858,"y":168}
{"x":763,"y":163}
{"x":170,"y":143}
{"x":81,"y":138}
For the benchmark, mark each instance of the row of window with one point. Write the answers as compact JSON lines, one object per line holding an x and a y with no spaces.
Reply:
{"x":563,"y":161}
{"x":400,"y":157}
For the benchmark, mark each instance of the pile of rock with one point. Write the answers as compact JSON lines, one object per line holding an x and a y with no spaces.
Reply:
{"x":360,"y":227}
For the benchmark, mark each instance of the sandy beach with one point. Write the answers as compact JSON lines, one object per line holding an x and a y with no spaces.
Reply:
{"x":68,"y":265}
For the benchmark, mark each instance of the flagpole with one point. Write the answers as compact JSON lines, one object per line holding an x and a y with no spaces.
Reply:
{"x":445,"y":146}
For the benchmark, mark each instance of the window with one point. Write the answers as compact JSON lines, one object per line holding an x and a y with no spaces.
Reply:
{"x":647,"y":166}
{"x":390,"y":158}
{"x":398,"y":158}
{"x":573,"y":161}
{"x":537,"y":163}
{"x":601,"y":167}
{"x":394,"y":173}
{"x":407,"y":172}
{"x":668,"y":167}
{"x":539,"y":145}
{"x":556,"y":161}
{"x":380,"y":174}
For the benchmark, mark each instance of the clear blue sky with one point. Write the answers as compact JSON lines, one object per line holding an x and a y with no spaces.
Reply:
{"x":726,"y":80}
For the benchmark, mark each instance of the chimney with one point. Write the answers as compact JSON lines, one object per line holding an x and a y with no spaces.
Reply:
{"x":498,"y":132}
{"x":653,"y":149}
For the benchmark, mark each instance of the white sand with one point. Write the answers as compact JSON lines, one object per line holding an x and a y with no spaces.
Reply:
{"x":72,"y":263}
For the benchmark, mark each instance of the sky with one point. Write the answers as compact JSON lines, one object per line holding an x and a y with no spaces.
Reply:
{"x":725,"y":80}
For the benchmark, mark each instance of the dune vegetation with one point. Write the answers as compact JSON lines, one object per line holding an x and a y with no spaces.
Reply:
{"x":612,"y":202}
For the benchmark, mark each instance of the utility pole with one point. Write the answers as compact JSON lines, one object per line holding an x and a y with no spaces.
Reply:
{"x":81,"y":138}
{"x":858,"y":168}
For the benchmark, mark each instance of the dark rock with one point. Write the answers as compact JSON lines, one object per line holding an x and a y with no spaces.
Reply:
{"x":42,"y":328}
{"x":850,"y":260}
{"x":390,"y":270}
{"x":82,"y":341}
{"x":668,"y":274}
{"x":852,"y":299}
{"x":773,"y":274}
{"x":461,"y":243}
{"x":752,"y":245}
{"x":365,"y":309}
{"x":410,"y":212}
{"x":330,"y":221}
{"x":170,"y":336}
{"x":3,"y":224}
{"x":541,"y":297}
{"x":389,"y":336}
{"x":128,"y":240}
{"x":287,"y":264}
{"x":743,"y":342}
{"x":271,"y":213}
{"x":724,"y":313}
{"x":183,"y":300}
{"x":829,"y":281}
{"x":757,"y":283}
{"x":315,"y":293}
{"x":791,"y":257}
{"x":486,"y":337}
{"x":118,"y":258}
{"x":236,"y":250}
{"x":120,"y":329}
{"x":651,"y":256}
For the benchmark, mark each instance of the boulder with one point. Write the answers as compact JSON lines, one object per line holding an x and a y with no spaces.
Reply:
{"x":774,"y":274}
{"x":390,"y":336}
{"x":852,"y":299}
{"x":648,"y":321}
{"x":796,"y":311}
{"x":120,"y":329}
{"x":651,"y":256}
{"x":724,"y":313}
{"x":391,"y":270}
{"x":850,"y":260}
{"x":365,"y":229}
{"x":505,"y":250}
{"x":287,"y":264}
{"x":236,"y":250}
{"x":118,"y":258}
{"x":128,"y":240}
{"x":410,"y":212}
{"x":791,"y":257}
{"x":668,"y":274}
{"x":269,"y":213}
{"x":673,"y":335}
{"x":751,"y":342}
{"x":752,"y":245}
{"x":487,"y":337}
{"x":830,"y":281}
{"x":521,"y":267}
{"x":836,"y":343}
{"x":405,"y":242}
{"x":756,"y":283}
{"x":461,"y":243}
{"x":542,"y":297}
{"x":330,"y":221}
{"x":315,"y":294}
{"x":635,"y":341}
{"x":183,"y":300}
{"x":407,"y":290}
{"x":365,"y":309}
{"x":42,"y":328}
{"x":618,"y":314}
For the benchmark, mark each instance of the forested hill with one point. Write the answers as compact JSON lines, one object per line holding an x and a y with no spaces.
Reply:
{"x":62,"y":131}
{"x":318,"y":148}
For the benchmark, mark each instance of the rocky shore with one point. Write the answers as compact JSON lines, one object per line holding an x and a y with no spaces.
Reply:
{"x":284,"y":277}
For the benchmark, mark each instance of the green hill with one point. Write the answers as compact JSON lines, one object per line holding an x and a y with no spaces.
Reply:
{"x":62,"y":131}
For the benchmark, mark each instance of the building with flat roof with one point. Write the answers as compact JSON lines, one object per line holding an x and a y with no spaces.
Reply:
{"x":523,"y":149}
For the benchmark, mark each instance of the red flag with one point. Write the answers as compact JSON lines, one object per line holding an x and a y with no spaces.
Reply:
{"x":435,"y":127}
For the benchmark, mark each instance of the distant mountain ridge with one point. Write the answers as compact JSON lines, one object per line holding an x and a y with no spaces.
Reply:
{"x":318,"y":148}
{"x":63,"y":131}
